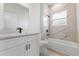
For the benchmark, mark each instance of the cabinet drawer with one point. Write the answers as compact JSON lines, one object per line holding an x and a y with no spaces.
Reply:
{"x":9,"y":43}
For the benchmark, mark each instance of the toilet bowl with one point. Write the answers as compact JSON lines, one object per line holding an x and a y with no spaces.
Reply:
{"x":43,"y":47}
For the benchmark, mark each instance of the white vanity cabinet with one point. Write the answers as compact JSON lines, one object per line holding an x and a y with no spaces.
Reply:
{"x":27,"y":45}
{"x":12,"y":47}
{"x":14,"y":51}
{"x":33,"y":45}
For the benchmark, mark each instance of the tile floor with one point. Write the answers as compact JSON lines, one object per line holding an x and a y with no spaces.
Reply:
{"x":54,"y":53}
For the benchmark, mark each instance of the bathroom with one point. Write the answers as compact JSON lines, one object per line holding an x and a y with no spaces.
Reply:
{"x":39,"y":29}
{"x":60,"y":28}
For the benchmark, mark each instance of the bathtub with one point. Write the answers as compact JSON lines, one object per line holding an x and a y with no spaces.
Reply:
{"x":63,"y":46}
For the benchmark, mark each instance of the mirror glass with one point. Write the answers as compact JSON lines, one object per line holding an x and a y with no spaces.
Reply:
{"x":15,"y":16}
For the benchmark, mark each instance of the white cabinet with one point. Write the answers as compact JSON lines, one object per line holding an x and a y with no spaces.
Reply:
{"x":12,"y":47}
{"x":20,"y":46}
{"x":33,"y":46}
{"x":26,"y":45}
{"x":15,"y":51}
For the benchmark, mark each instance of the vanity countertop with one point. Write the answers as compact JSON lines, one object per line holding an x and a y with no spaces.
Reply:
{"x":14,"y":35}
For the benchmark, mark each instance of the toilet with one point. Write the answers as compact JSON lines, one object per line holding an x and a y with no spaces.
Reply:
{"x":43,"y":47}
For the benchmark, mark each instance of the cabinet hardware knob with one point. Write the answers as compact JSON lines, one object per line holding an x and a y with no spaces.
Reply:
{"x":26,"y":47}
{"x":29,"y":46}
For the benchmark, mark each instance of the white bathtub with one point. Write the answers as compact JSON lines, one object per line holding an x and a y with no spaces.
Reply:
{"x":66,"y":47}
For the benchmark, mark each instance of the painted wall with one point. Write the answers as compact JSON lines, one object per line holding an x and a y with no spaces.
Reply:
{"x":25,"y":4}
{"x":34,"y":17}
{"x":15,"y":16}
{"x":1,"y":16}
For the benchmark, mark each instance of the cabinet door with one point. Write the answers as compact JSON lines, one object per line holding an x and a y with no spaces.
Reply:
{"x":26,"y":46}
{"x":12,"y":47}
{"x":33,"y":45}
{"x":9,"y":43}
{"x":18,"y":50}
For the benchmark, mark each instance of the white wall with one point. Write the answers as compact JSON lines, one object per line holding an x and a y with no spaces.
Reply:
{"x":34,"y":17}
{"x":44,"y":13}
{"x":25,"y":4}
{"x":15,"y":16}
{"x":10,"y":21}
{"x":22,"y":17}
{"x":1,"y":16}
